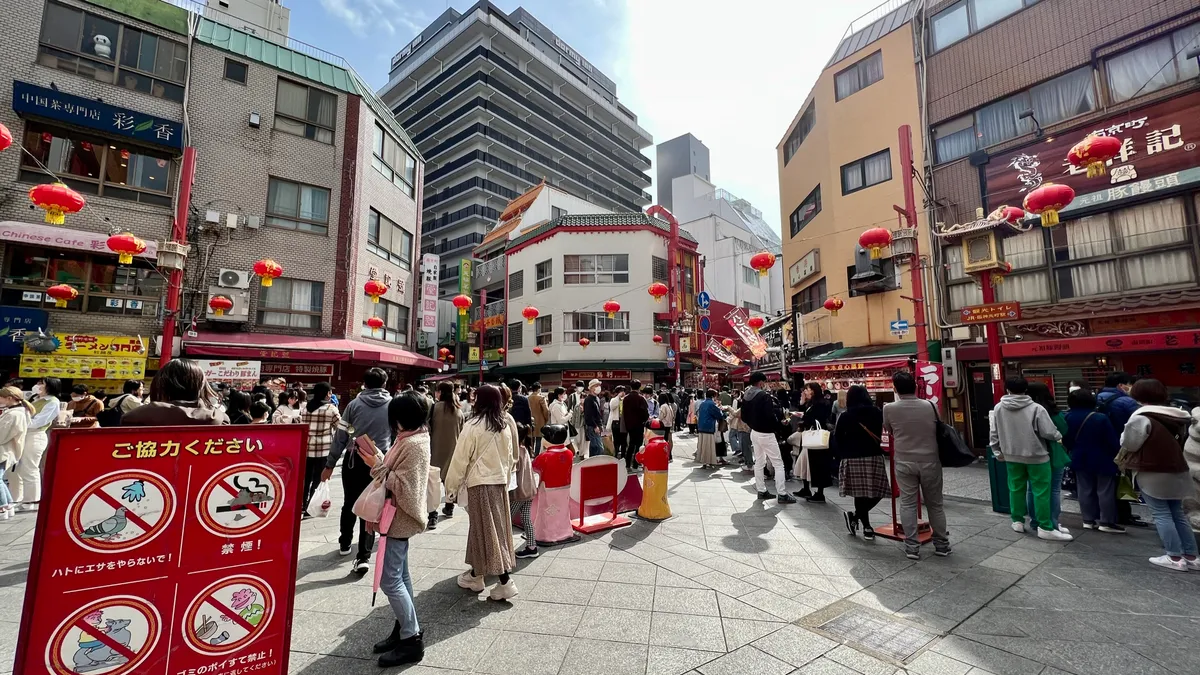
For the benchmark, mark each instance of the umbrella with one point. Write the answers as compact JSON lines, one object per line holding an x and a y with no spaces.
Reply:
{"x":389,"y":512}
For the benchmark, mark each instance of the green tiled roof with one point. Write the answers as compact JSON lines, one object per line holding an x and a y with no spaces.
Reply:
{"x":277,"y":56}
{"x":598,"y":220}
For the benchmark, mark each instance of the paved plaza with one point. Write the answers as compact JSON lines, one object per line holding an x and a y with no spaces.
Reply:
{"x":733,"y":585}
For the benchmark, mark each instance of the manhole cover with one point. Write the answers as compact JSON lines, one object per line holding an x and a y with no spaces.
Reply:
{"x":869,"y":630}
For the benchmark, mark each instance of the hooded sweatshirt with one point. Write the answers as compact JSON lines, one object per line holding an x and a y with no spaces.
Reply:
{"x":1151,"y":447}
{"x":1020,"y":429}
{"x":758,"y":411}
{"x":366,"y":414}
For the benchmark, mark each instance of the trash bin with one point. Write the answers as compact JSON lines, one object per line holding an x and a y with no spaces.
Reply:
{"x":998,"y":479}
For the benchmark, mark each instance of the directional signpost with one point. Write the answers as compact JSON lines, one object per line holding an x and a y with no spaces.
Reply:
{"x":703,"y":300}
{"x":899,"y":327}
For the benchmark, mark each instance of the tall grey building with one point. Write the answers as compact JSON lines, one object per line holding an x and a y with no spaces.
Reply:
{"x":681,"y":156}
{"x":496,"y":103}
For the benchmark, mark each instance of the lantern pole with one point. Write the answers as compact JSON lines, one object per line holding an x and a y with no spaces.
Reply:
{"x":178,"y":234}
{"x":993,"y":340}
{"x":909,"y":211}
{"x":482,"y":327}
{"x":703,"y":347}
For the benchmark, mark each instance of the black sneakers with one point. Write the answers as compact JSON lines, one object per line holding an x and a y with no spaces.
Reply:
{"x":527,"y":552}
{"x":765,"y":494}
{"x":409,"y":650}
{"x":448,"y":511}
{"x":361,"y":566}
{"x":432,"y":522}
{"x":785,"y":498}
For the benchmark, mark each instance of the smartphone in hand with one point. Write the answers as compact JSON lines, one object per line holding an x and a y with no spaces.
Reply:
{"x":365,"y":445}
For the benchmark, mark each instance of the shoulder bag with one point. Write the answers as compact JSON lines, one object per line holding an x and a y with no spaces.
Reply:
{"x":952,"y":449}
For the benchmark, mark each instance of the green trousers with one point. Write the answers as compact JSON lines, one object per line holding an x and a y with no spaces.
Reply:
{"x":1038,"y":478}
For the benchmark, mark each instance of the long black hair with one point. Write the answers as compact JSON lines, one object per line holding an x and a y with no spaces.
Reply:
{"x":489,"y":408}
{"x":408,"y":412}
{"x":320,"y":391}
{"x":858,"y":396}
{"x":1041,"y":395}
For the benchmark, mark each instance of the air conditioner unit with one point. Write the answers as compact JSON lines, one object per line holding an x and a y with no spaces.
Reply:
{"x":241,"y":305}
{"x":233,"y":279}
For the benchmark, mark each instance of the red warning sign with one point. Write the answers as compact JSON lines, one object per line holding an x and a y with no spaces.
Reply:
{"x":126,"y":579}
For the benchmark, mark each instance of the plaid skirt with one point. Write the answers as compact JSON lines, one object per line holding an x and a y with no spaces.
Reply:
{"x":864,"y":477}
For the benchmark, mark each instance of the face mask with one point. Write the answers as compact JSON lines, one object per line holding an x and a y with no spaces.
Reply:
{"x":595,"y":390}
{"x":39,"y":389}
{"x":76,"y":398}
{"x":578,"y":388}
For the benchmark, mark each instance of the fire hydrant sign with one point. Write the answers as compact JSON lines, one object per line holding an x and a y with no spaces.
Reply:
{"x":165,"y":550}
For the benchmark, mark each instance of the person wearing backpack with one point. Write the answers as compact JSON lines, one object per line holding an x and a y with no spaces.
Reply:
{"x":1093,"y":443}
{"x":1114,"y":399}
{"x":130,"y":398}
{"x":1152,"y":447}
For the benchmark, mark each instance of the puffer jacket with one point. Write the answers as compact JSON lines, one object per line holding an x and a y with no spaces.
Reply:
{"x":482,"y":456}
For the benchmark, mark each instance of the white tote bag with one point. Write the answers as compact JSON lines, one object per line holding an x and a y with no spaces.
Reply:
{"x":815,"y":439}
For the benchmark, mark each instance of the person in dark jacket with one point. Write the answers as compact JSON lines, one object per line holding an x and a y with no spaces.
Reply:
{"x":635,"y":412}
{"x":861,"y":474}
{"x":760,"y":413}
{"x":1114,"y":399}
{"x":366,"y":415}
{"x":180,"y":395}
{"x":815,"y":412}
{"x":593,"y":419}
{"x":708,"y":415}
{"x":1093,"y":444}
{"x":521,"y":412}
{"x":237,"y":406}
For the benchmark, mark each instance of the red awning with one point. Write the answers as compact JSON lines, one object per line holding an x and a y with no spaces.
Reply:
{"x":1105,"y":344}
{"x":833,"y":366}
{"x":301,"y":348}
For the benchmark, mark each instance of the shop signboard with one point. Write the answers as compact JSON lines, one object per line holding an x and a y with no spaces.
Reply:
{"x":1123,"y":323}
{"x":587,"y":375}
{"x":87,"y":344}
{"x":1103,"y":344}
{"x":430,"y":273}
{"x":70,"y":367}
{"x":996,"y":311}
{"x":464,"y":288}
{"x":1158,"y":152}
{"x":41,"y":234}
{"x":165,"y":550}
{"x":237,"y":373}
{"x":298,"y":369}
{"x":93,"y":114}
{"x":737,"y":320}
{"x":718,"y":350}
{"x":14,"y":322}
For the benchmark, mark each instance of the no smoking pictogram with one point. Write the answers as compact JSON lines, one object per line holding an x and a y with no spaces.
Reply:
{"x":120,"y":511}
{"x":112,"y":636}
{"x":228,"y":615}
{"x":240,"y":500}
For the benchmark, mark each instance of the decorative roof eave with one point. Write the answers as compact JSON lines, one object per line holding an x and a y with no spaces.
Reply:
{"x":994,"y":220}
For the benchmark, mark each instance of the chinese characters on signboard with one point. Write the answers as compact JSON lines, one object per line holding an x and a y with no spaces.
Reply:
{"x":429,"y":292}
{"x":737,"y":320}
{"x":997,"y":311}
{"x":585,"y":375}
{"x":93,"y":114}
{"x":238,"y":373}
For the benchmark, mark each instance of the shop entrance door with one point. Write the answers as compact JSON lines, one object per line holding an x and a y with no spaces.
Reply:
{"x":981,"y":405}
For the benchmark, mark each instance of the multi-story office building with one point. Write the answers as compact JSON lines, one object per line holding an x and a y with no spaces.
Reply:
{"x":1012,"y":86}
{"x":681,"y":156}
{"x":267,"y":19}
{"x":497,"y":103}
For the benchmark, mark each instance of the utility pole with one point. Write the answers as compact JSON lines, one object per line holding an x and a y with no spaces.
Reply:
{"x":909,"y":211}
{"x":178,"y":235}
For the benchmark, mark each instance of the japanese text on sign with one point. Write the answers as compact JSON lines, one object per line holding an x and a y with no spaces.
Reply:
{"x":998,"y":311}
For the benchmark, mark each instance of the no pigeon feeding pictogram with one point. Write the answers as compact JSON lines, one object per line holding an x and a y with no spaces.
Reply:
{"x":112,"y":636}
{"x":120,"y":511}
{"x":240,"y":500}
{"x":228,"y":615}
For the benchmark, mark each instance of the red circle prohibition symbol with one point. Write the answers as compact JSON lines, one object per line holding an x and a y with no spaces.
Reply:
{"x":228,"y":614}
{"x":257,"y":505}
{"x":119,"y":517}
{"x":110,"y":649}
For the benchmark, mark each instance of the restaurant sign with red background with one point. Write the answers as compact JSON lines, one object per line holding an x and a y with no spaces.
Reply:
{"x":997,"y":311}
{"x":586,"y":375}
{"x":165,"y":550}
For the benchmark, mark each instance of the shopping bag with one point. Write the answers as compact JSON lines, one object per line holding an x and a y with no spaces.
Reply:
{"x":609,"y":448}
{"x":319,"y":505}
{"x":1125,"y":489}
{"x":433,"y":489}
{"x":369,"y":505}
{"x":815,"y":439}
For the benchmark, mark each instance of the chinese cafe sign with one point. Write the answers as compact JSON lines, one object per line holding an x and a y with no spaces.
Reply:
{"x":997,"y":311}
{"x":1103,"y":344}
{"x":58,"y":237}
{"x":587,"y":375}
{"x":1158,"y":152}
{"x":165,"y":550}
{"x":60,"y":106}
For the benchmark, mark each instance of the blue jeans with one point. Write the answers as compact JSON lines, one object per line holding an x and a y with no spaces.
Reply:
{"x":595,"y":443}
{"x":396,"y":584}
{"x":1173,"y":528}
{"x":5,"y":495}
{"x":1055,"y":501}
{"x":746,"y":446}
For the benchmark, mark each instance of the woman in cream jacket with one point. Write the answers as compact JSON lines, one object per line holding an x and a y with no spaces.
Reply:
{"x":14,"y":423}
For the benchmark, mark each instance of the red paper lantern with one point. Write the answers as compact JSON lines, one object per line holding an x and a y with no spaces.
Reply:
{"x":584,"y":342}
{"x":62,"y":294}
{"x":1010,"y":214}
{"x":269,"y":270}
{"x":373,"y":288}
{"x":502,"y":351}
{"x":125,"y":245}
{"x":537,"y":351}
{"x":47,"y":137}
{"x":755,"y":322}
{"x":463,"y":303}
{"x":220,"y":304}
{"x":612,"y":307}
{"x":444,"y":352}
{"x":56,"y":199}
{"x":658,"y":289}
{"x":374,"y":323}
{"x":727,"y":343}
{"x":5,"y":137}
{"x":658,"y":339}
{"x":833,"y":304}
{"x":763,"y":262}
{"x":530,"y":313}
{"x":1048,"y":200}
{"x":875,"y":240}
{"x":1094,"y":152}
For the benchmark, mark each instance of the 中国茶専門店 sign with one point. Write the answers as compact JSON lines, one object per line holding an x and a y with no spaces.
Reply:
{"x":1159,"y":151}
{"x":997,"y":311}
{"x":60,"y":106}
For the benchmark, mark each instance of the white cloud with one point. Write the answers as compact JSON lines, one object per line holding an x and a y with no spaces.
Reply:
{"x":361,"y":16}
{"x":734,"y":75}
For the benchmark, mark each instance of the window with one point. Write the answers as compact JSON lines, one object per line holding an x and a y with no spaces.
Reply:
{"x":596,"y":326}
{"x":808,"y":209}
{"x":236,"y":71}
{"x":811,"y":298}
{"x":556,"y":213}
{"x":297,"y":207}
{"x":89,"y":45}
{"x":754,"y":307}
{"x":859,"y":76}
{"x":866,"y":172}
{"x":545,"y":274}
{"x":305,"y":111}
{"x":95,"y":165}
{"x":954,"y":139}
{"x":393,"y":162}
{"x":388,"y":240}
{"x":1153,"y":65}
{"x":292,"y":303}
{"x":516,"y":335}
{"x":795,"y":139}
{"x":516,"y":284}
{"x":970,"y":16}
{"x":104,"y":287}
{"x":543,"y":330}
{"x":596,"y":269}
{"x":750,"y":276}
{"x":395,"y":321}
{"x":658,"y":269}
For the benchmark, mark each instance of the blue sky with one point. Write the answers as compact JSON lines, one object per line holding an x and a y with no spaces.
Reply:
{"x":733,"y":73}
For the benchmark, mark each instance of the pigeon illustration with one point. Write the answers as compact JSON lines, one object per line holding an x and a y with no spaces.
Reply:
{"x":107,"y":527}
{"x":134,"y":492}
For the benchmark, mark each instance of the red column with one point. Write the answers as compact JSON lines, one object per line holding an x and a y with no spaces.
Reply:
{"x":482,"y":328}
{"x":910,"y":216}
{"x":178,"y":234}
{"x":993,"y":340}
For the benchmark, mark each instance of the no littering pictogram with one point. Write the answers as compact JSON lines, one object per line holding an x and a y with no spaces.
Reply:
{"x":228,"y":615}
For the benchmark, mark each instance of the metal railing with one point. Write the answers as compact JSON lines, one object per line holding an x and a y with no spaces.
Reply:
{"x":882,"y":10}
{"x":215,"y":13}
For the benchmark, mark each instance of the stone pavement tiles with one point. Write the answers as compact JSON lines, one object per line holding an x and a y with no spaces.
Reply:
{"x":734,"y":585}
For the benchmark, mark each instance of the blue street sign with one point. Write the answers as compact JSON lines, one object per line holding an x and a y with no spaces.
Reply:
{"x":703,"y":299}
{"x":705,"y":324}
{"x":671,"y":363}
{"x":899,"y":327}
{"x":670,"y":353}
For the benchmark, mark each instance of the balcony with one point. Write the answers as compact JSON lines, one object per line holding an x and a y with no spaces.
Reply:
{"x":455,"y":244}
{"x":488,"y":272}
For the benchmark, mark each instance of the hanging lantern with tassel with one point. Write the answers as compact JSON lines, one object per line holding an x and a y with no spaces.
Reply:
{"x":374,"y":323}
{"x":374,"y":289}
{"x":56,"y":199}
{"x":219,"y":304}
{"x":62,"y":294}
{"x":125,"y":245}
{"x":611,"y":308}
{"x":268,"y":270}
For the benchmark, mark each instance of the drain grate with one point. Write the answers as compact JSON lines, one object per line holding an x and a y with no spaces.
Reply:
{"x":869,"y":630}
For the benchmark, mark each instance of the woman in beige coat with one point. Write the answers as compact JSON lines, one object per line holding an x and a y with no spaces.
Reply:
{"x":445,"y":424}
{"x":14,"y":423}
{"x":481,"y":469}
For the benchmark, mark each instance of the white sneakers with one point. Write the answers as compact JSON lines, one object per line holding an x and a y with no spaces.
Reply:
{"x":1063,"y":528}
{"x":465,"y":580}
{"x":1054,"y":535}
{"x":1193,"y":564}
{"x":504,"y":591}
{"x":1180,"y":565}
{"x":1018,"y":527}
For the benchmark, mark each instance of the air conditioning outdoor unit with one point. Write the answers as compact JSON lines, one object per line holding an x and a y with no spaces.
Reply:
{"x":240,"y":313}
{"x":233,"y":279}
